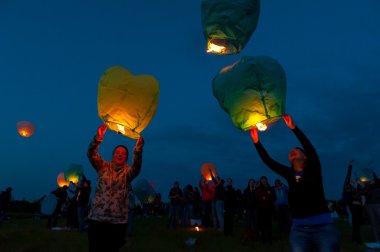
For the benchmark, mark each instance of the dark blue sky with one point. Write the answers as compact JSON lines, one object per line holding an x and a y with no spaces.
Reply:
{"x":52,"y":54}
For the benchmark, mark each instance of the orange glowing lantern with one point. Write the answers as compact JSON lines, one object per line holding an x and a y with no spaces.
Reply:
{"x":61,"y":181}
{"x":25,"y":128}
{"x":205,"y":171}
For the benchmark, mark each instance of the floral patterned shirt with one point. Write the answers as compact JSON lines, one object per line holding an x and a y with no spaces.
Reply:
{"x":110,"y":202}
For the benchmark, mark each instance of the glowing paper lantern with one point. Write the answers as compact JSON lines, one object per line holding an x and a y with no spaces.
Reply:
{"x":25,"y":128}
{"x":365,"y":174}
{"x":205,"y":170}
{"x":61,"y":180}
{"x":127,"y":103}
{"x":144,"y":191}
{"x":228,"y":25}
{"x":252,"y":91}
{"x":73,"y":173}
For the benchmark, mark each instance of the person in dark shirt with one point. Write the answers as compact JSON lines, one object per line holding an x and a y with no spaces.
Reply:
{"x":372,"y":205}
{"x":250,"y":205}
{"x":229,"y":208}
{"x":175,"y":196}
{"x":313,"y":227}
{"x":5,"y":199}
{"x":352,"y":197}
{"x":61,"y":196}
{"x":265,"y":198}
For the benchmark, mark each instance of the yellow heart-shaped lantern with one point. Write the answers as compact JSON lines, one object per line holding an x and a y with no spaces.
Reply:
{"x":127,"y":103}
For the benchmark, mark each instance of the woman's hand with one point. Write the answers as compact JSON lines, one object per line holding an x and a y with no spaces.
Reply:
{"x":289,"y":121}
{"x":255,"y":135}
{"x":101,"y":131}
{"x":139,"y":144}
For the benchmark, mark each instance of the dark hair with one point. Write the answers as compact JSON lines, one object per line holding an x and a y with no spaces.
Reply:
{"x":302,"y":150}
{"x":122,"y":146}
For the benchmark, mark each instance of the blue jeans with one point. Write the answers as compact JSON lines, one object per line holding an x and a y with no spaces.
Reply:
{"x":323,"y":238}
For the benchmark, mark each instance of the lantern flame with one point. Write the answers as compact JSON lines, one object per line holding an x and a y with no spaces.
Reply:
{"x":212,"y":48}
{"x":363,"y":179}
{"x":120,"y":128}
{"x":261,"y":126}
{"x":197,"y":228}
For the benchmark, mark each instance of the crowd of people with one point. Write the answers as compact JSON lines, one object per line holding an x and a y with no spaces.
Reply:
{"x":218,"y":203}
{"x":297,"y":201}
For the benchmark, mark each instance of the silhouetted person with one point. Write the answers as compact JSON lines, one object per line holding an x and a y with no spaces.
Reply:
{"x":61,"y":196}
{"x":5,"y":199}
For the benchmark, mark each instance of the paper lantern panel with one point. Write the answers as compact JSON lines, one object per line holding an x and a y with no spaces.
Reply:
{"x":364,"y":175}
{"x":127,"y":103}
{"x":205,"y":171}
{"x":144,"y":191}
{"x":61,"y":180}
{"x":228,"y":25}
{"x":74,"y":173}
{"x":252,"y":91}
{"x":25,"y":128}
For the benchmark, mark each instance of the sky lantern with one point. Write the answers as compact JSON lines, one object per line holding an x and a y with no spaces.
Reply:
{"x":364,"y":174}
{"x":252,"y":91}
{"x":25,"y":128}
{"x":73,"y":173}
{"x":127,"y":103}
{"x":144,"y":191}
{"x":228,"y":25}
{"x":205,"y":171}
{"x":61,"y":180}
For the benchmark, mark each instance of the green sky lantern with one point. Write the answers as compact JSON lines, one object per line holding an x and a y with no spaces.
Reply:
{"x":252,"y":91}
{"x":364,"y":174}
{"x":127,"y":103}
{"x":144,"y":191}
{"x":228,"y":25}
{"x":73,"y":173}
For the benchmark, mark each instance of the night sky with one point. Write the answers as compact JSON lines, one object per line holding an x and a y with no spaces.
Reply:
{"x":52,"y":54}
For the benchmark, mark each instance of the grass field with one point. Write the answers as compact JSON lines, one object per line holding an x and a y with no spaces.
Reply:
{"x":24,"y":233}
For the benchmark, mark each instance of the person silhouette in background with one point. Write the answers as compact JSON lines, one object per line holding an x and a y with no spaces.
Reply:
{"x":313,"y":227}
{"x":61,"y":196}
{"x":108,"y":215}
{"x":352,"y":196}
{"x":5,"y":199}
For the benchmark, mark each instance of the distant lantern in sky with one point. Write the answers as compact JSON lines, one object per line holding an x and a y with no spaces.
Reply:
{"x":127,"y":103}
{"x":61,"y":181}
{"x":25,"y":128}
{"x":228,"y":25}
{"x":73,"y":173}
{"x":252,"y":91}
{"x":205,"y":170}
